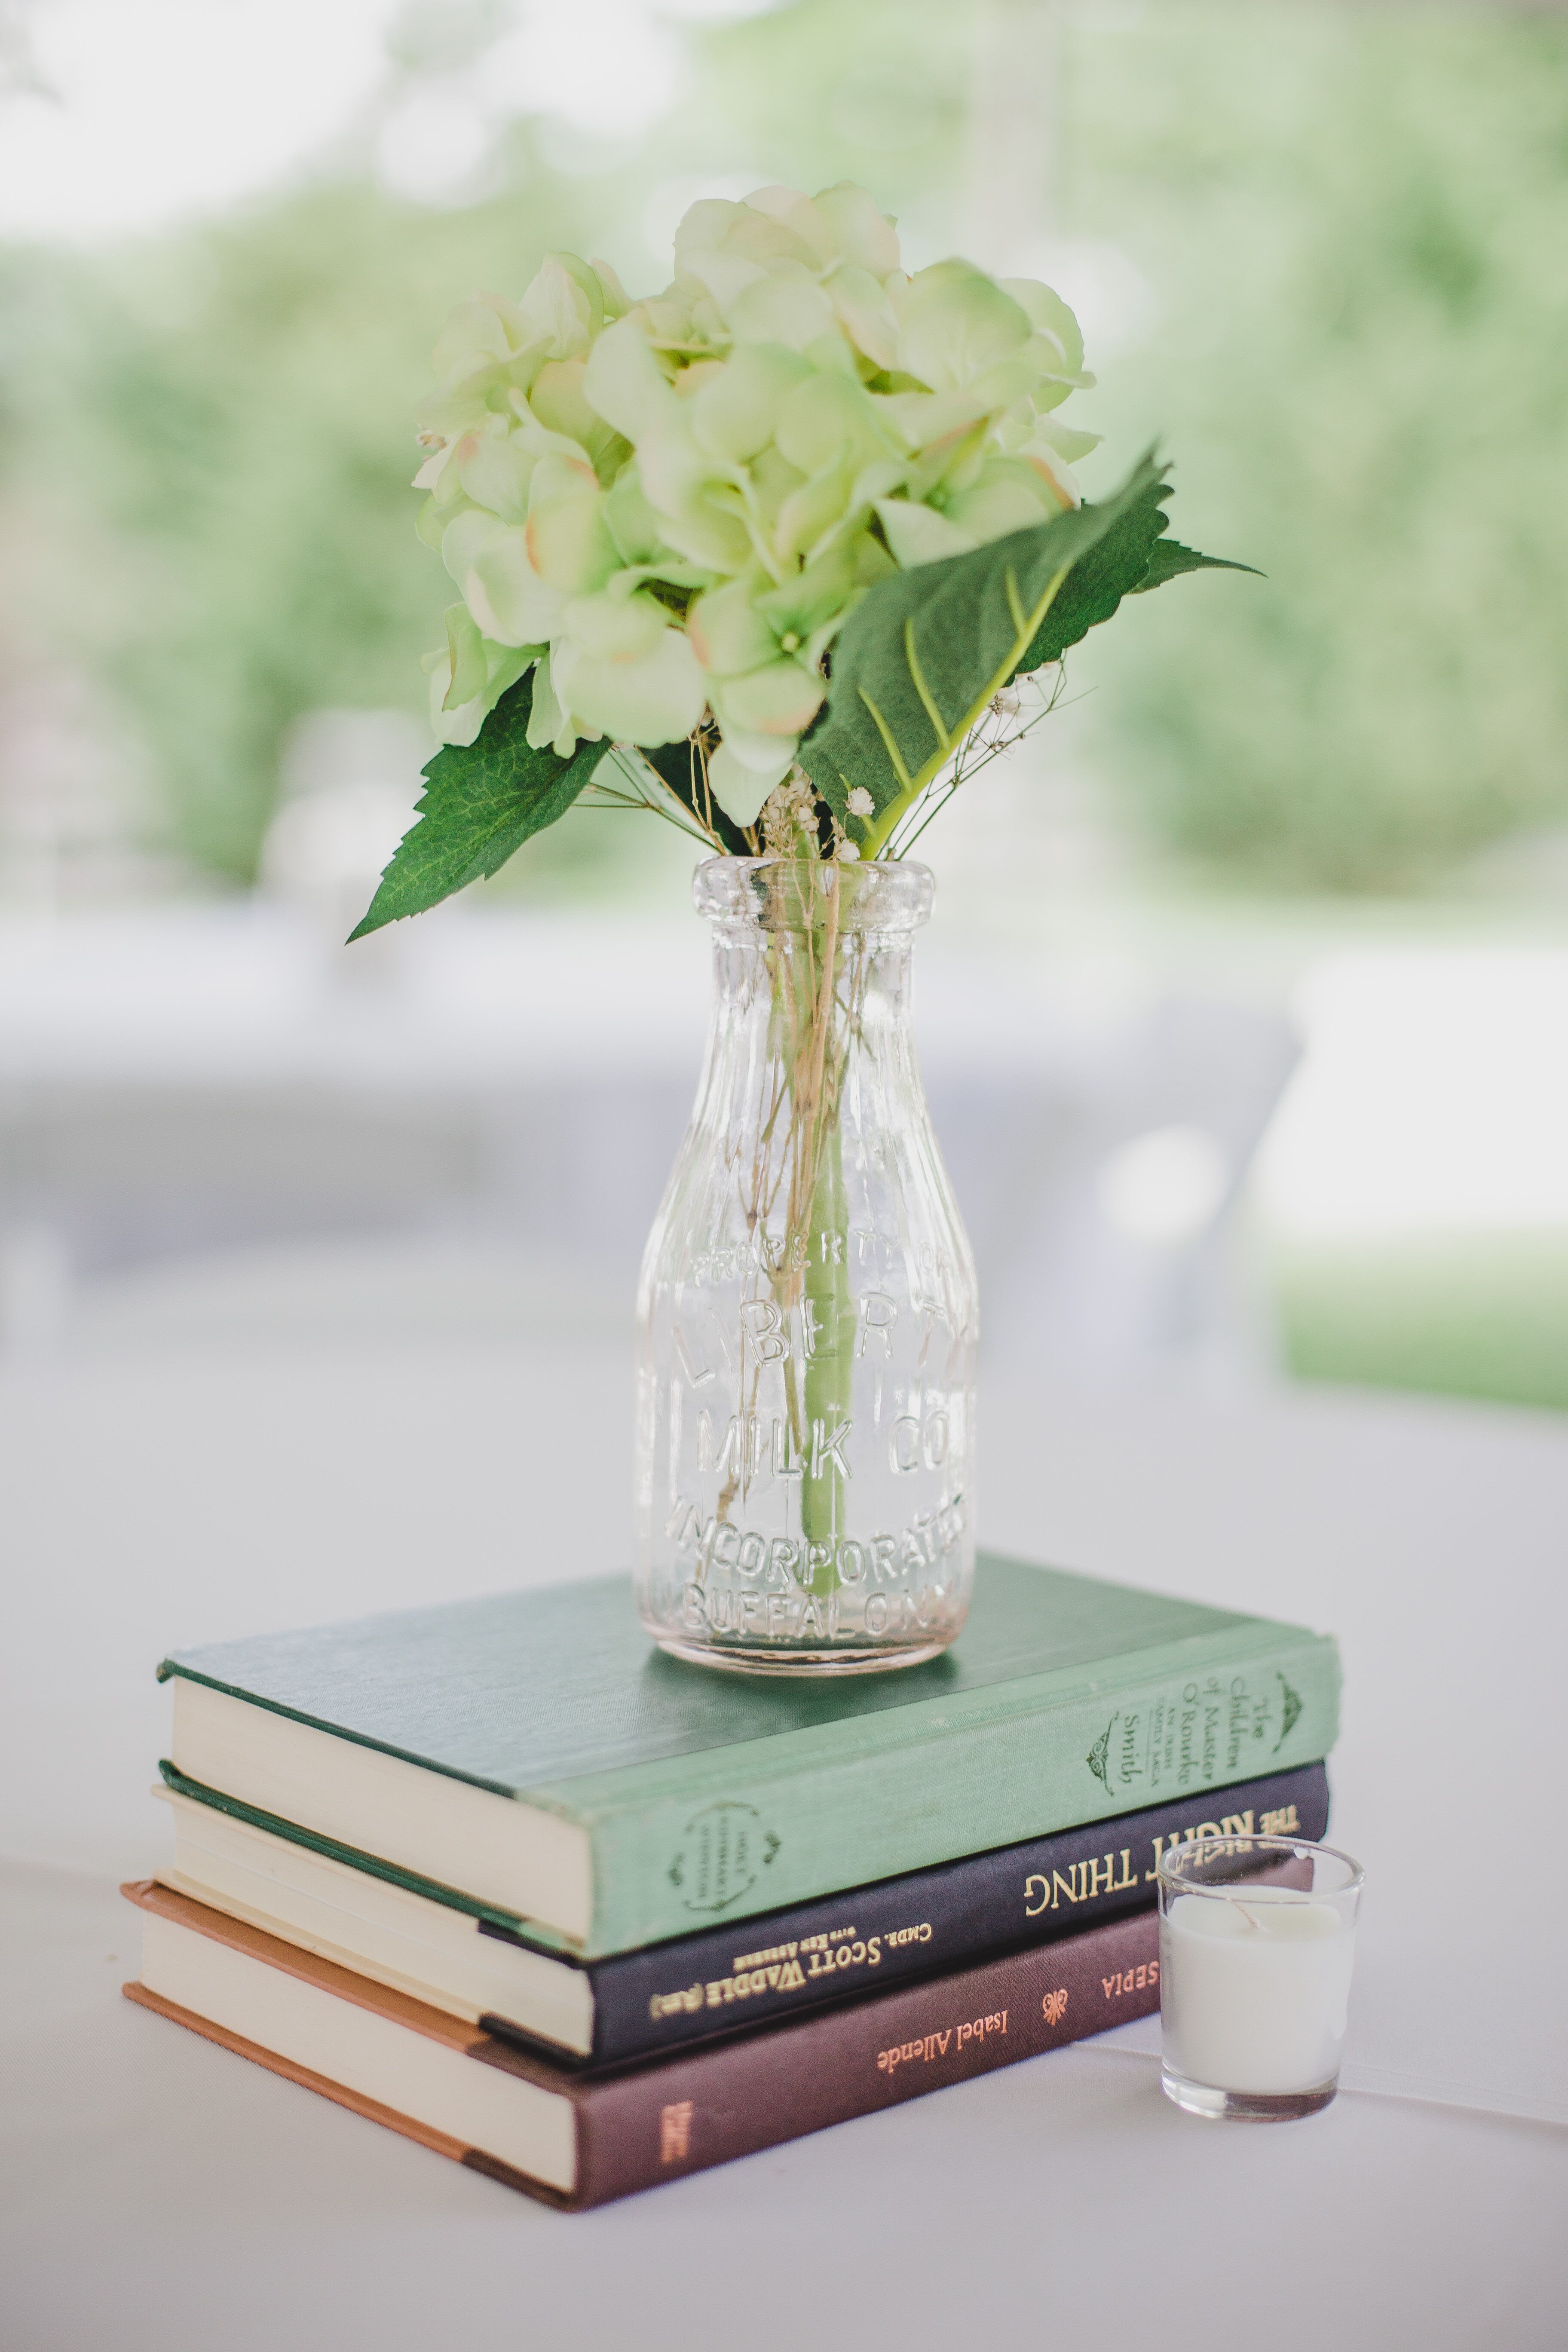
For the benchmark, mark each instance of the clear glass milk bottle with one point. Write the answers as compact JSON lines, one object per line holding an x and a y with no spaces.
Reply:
{"x":807,"y":1314}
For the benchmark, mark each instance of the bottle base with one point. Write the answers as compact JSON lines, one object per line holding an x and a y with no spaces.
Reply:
{"x":801,"y":1666}
{"x":1244,"y":2106}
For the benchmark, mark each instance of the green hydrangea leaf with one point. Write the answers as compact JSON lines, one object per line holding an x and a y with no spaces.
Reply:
{"x":481,"y":802}
{"x":924,"y":651}
{"x":1115,"y":566}
{"x":1133,"y":556}
{"x":1171,"y":559}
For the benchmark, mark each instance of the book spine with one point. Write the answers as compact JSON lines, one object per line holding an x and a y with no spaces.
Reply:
{"x":735,"y":2097}
{"x":785,"y":1962}
{"x":768,"y":1838}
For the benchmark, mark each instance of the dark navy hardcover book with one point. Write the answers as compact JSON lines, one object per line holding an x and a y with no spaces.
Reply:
{"x":760,"y":1970}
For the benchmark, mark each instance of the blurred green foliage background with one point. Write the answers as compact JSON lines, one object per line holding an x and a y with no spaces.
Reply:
{"x":1354,"y":231}
{"x":1321,"y":253}
{"x":1358,"y":225}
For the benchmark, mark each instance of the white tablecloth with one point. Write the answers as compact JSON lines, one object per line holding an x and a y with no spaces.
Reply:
{"x":159,"y":2193}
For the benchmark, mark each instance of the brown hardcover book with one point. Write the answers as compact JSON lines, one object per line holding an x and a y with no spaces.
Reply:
{"x":578,"y":2141}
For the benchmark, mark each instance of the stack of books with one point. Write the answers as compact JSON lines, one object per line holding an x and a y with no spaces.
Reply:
{"x":503,"y":1878}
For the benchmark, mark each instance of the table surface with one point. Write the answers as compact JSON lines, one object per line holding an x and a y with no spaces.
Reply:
{"x":158,"y":2193}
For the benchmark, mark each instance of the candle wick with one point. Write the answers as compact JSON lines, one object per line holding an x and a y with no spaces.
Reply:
{"x":1251,"y":1922}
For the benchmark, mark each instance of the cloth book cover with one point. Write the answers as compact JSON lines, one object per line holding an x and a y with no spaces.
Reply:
{"x":646,"y":1799}
{"x":582,"y":2139}
{"x":415,"y":1935}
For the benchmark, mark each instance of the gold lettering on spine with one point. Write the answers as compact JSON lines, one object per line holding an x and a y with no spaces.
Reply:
{"x":1127,"y":1980}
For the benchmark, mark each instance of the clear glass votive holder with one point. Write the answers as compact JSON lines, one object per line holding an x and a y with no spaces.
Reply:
{"x":1256,"y":1947}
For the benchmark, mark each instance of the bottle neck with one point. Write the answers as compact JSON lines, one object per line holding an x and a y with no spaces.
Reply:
{"x":848,"y":995}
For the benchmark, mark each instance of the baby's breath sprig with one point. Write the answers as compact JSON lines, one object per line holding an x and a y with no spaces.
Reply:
{"x":1011,"y":714}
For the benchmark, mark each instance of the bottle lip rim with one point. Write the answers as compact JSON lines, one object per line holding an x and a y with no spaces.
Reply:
{"x":881,"y":894}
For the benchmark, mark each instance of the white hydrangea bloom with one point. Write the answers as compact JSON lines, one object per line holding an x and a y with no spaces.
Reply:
{"x":674,"y":505}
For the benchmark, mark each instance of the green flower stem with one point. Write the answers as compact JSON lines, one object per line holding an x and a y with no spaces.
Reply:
{"x":813,"y":982}
{"x":831,"y":1359}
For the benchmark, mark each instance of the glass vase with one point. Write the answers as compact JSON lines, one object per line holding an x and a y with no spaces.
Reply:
{"x":807,"y":1314}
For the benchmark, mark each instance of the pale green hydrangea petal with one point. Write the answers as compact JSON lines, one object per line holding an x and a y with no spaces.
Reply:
{"x":872,"y":561}
{"x":467,"y":669}
{"x":587,"y":277}
{"x":725,"y":276}
{"x":948,"y":464}
{"x":814,"y":598}
{"x":700,"y":369}
{"x":1054,"y":381}
{"x":780,"y":222}
{"x":468,"y":409}
{"x":475,"y":335}
{"x":1047,"y":463}
{"x":735,"y":411}
{"x":770,"y":478}
{"x":667,"y":320}
{"x":569,"y":544}
{"x":624,"y":381}
{"x":631,"y":521}
{"x":879,"y":479}
{"x":810,"y":513}
{"x":789,"y":310}
{"x":781,"y":698}
{"x":728,"y":634}
{"x":559,"y":403}
{"x":1066,"y":441}
{"x":469,"y":675}
{"x":920,"y":419}
{"x":460,"y":726}
{"x":919,"y":534}
{"x":1010,"y":494}
{"x":857,"y":232}
{"x":615,"y":299}
{"x":703,"y":226}
{"x":954,"y":323}
{"x":744,"y":770}
{"x":547,"y":722}
{"x":676,"y":477}
{"x":1011,"y":383}
{"x":746,"y":231}
{"x":556,"y":310}
{"x":864,"y":312}
{"x":490,"y":561}
{"x":495,"y":471}
{"x":833,"y":354}
{"x":1047,"y":314}
{"x":431,"y":522}
{"x":538,"y":438}
{"x":827,"y":419}
{"x":622,"y":670}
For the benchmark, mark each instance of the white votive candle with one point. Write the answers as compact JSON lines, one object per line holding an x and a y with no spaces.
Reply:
{"x":1255,"y":1975}
{"x":1255,"y":1990}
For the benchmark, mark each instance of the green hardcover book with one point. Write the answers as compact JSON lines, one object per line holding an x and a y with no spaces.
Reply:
{"x":534,"y":1754}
